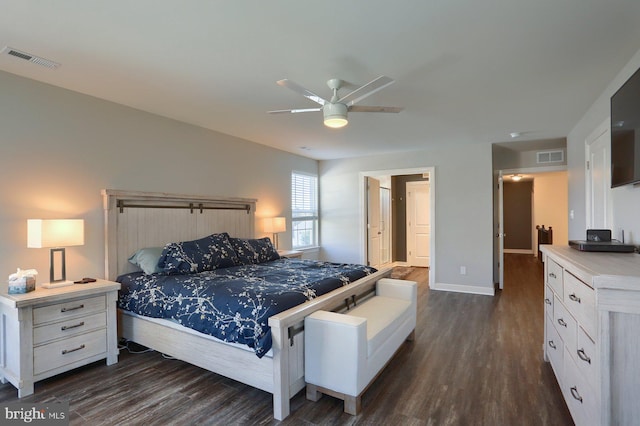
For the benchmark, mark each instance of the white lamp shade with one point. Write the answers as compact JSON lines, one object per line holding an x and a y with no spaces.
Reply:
{"x":55,"y":232}
{"x":273,"y":225}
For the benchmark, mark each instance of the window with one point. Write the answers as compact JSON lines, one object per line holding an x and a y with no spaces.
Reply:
{"x":304,"y":210}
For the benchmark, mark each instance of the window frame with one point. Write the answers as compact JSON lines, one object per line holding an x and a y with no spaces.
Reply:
{"x":307,"y":213}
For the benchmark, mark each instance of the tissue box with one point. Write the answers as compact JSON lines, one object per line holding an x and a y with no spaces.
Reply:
{"x":22,"y":285}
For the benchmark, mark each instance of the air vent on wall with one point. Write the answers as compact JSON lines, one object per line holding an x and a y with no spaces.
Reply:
{"x":550,"y":156}
{"x":29,"y":57}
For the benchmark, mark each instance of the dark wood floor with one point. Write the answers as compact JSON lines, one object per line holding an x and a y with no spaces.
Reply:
{"x":476,"y":360}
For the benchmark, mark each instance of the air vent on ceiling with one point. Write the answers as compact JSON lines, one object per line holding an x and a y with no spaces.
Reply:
{"x":29,"y":57}
{"x":550,"y":156}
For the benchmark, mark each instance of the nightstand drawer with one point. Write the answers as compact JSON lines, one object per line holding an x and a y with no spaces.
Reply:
{"x":63,"y":352}
{"x":69,"y":309}
{"x":68,"y":328}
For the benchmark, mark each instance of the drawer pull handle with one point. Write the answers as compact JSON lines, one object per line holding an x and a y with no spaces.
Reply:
{"x":553,"y":345}
{"x":573,"y":297}
{"x":75,"y":308}
{"x":69,"y":327}
{"x":575,"y":394}
{"x":547,"y":301}
{"x":552,"y":275}
{"x":583,"y":356}
{"x":562,"y":322}
{"x":68,"y":351}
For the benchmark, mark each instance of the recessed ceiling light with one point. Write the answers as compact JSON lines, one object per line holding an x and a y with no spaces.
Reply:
{"x":518,"y":134}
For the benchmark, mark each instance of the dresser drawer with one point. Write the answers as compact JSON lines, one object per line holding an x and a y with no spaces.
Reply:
{"x":565,"y":324}
{"x":554,"y":348}
{"x":62,"y":352}
{"x":548,"y":301}
{"x":69,"y":309}
{"x":586,"y":357}
{"x":580,"y":397}
{"x":68,"y":328}
{"x":580,"y":299}
{"x":554,"y":276}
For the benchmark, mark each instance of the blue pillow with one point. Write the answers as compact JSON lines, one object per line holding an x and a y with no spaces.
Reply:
{"x":205,"y":254}
{"x":252,"y":251}
{"x":244,"y":251}
{"x":147,"y":259}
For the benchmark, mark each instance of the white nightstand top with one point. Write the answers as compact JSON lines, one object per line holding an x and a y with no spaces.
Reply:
{"x":290,"y":253}
{"x":40,"y":294}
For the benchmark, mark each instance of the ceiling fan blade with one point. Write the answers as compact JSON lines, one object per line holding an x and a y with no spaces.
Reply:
{"x":301,"y":90}
{"x":362,"y":108}
{"x":294,"y":111}
{"x":367,"y":90}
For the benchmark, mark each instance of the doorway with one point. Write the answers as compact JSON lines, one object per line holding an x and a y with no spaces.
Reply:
{"x":393,"y":228}
{"x":549,"y":205}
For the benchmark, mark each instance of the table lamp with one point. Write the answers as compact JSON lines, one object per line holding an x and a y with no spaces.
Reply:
{"x":57,"y":234}
{"x":275,"y":225}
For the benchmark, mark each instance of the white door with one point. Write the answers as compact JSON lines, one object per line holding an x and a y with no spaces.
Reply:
{"x":418,"y":226}
{"x":373,"y":222}
{"x":599,"y":179}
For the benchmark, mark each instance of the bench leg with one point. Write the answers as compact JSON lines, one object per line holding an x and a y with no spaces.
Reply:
{"x":352,"y":404}
{"x":313,"y":394}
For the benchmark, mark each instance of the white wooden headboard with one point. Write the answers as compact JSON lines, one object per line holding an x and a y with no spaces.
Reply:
{"x":135,"y":220}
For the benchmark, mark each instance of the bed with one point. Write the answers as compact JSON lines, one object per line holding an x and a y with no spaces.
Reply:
{"x":137,"y":220}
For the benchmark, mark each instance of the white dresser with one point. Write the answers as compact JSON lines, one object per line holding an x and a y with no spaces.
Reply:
{"x":592,"y":332}
{"x":49,"y":331}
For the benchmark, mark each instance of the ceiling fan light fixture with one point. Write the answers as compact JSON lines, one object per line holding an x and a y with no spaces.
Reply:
{"x":335,"y":115}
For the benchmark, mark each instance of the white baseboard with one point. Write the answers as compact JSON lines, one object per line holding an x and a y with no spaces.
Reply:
{"x":459,"y":288}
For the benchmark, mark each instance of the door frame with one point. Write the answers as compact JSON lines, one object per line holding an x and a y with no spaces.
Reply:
{"x":499,"y":261}
{"x":432,"y":211}
{"x":374,"y":234}
{"x":599,"y":131}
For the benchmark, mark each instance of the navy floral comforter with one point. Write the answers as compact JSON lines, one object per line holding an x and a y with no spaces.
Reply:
{"x":235,"y":303}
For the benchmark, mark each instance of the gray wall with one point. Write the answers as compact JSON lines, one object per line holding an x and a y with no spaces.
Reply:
{"x":626,"y":199}
{"x":60,"y":148}
{"x":463,"y":210}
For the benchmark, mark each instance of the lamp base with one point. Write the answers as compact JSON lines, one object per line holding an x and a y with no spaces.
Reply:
{"x":57,"y":284}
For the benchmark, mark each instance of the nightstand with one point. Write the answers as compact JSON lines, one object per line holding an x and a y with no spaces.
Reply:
{"x":296,"y":254}
{"x":49,"y":331}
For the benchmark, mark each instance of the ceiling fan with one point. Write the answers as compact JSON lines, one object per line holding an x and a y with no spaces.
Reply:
{"x":335,"y":110}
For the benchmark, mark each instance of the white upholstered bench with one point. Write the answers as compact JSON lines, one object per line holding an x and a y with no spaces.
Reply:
{"x":344,"y":352}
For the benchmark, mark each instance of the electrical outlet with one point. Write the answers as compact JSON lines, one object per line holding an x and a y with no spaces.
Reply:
{"x":463,"y":270}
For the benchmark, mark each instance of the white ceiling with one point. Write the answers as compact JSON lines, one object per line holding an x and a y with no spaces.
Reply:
{"x":466,"y":71}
